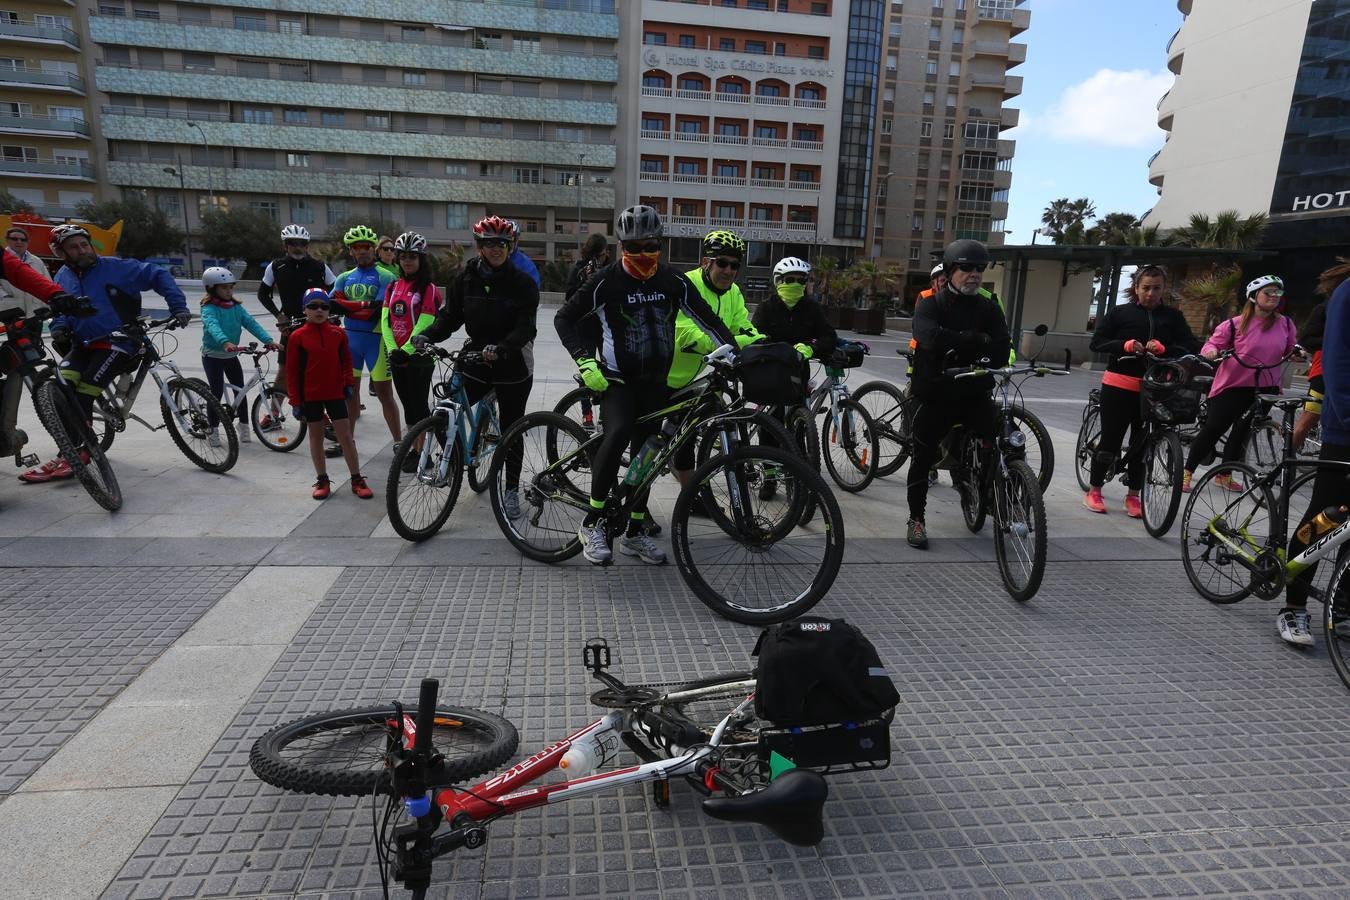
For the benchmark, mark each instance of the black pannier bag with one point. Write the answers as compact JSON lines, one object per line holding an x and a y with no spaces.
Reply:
{"x":771,"y":374}
{"x":821,"y":682}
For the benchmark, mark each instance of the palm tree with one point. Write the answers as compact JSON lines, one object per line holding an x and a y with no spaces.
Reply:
{"x":1210,"y":296}
{"x":826,"y":269}
{"x":1055,"y":219}
{"x":1066,"y":219}
{"x":1113,"y":229}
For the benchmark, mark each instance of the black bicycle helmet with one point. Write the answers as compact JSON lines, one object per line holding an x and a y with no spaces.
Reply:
{"x":965,"y":251}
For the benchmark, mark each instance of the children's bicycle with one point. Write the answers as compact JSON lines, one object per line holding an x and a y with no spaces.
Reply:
{"x":748,"y":560}
{"x":705,"y":731}
{"x":458,"y":436}
{"x":270,"y":413}
{"x":195,"y":419}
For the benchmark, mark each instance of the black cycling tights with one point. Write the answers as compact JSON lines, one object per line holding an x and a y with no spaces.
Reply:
{"x":620,"y":407}
{"x":511,"y":400}
{"x":1120,"y":410}
{"x":1330,"y":488}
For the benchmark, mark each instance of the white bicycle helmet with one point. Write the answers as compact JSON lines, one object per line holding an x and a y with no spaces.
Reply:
{"x":217,"y":275}
{"x":295,"y":233}
{"x":790,"y":265}
{"x":63,"y":233}
{"x":935,"y":271}
{"x":410,"y":241}
{"x":1264,"y":281}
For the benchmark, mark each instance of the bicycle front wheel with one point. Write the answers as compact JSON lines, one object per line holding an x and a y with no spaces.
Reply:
{"x":1040,"y":450}
{"x":850,"y":446}
{"x":271,"y":420}
{"x":1265,"y":446}
{"x":582,"y":406}
{"x":1223,"y":528}
{"x":1086,"y":448}
{"x":801,"y":425}
{"x":540,"y":508}
{"x":1336,"y":616}
{"x":420,"y":501}
{"x":76,"y":444}
{"x":749,"y":562}
{"x":489,"y":436}
{"x":892,"y":417}
{"x":106,"y":423}
{"x":1161,"y":493}
{"x":214,"y":448}
{"x":968,"y":478}
{"x":1020,"y":539}
{"x":344,"y":753}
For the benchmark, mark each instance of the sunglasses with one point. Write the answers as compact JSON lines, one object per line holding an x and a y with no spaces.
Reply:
{"x":643,"y":246}
{"x":408,"y":254}
{"x":732,"y":264}
{"x":387,"y":248}
{"x":322,"y":306}
{"x":494,"y":244}
{"x":1272,"y":292}
{"x":972,"y":267}
{"x":297,"y":243}
{"x":792,"y":279}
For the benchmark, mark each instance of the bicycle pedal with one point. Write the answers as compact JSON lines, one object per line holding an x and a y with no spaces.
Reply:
{"x":27,"y":461}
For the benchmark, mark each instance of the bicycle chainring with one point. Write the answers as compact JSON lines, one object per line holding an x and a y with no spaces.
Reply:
{"x":614,"y":698}
{"x":1268,"y":575}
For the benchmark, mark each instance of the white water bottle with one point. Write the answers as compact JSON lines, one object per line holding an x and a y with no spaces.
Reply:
{"x":587,"y":754}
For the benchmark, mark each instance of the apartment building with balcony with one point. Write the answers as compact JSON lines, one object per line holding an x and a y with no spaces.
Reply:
{"x":430,"y":115}
{"x":47,"y":142}
{"x":1272,"y":137}
{"x":942,"y":168}
{"x":737,"y":115}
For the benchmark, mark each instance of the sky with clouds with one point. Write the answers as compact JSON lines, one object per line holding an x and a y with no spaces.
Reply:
{"x":1089,"y":123}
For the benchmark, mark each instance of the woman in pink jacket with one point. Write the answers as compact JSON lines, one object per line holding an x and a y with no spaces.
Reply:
{"x":1261,"y":336}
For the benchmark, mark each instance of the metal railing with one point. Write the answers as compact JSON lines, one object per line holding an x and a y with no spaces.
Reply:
{"x":33,"y":31}
{"x":37,"y":77}
{"x":11,"y":122}
{"x":49,"y":169}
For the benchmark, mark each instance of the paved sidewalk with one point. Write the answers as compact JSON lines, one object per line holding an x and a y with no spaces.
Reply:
{"x":1117,"y":736}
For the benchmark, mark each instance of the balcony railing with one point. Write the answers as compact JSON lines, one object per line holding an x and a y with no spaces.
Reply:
{"x":770,"y":100}
{"x":732,"y":181}
{"x":46,"y":34}
{"x":653,"y":176}
{"x":61,"y":81}
{"x":682,"y":178}
{"x":655,"y":91}
{"x":817,"y":146}
{"x":649,"y":135}
{"x":26,"y":124}
{"x":703,"y":137}
{"x":47,"y":169}
{"x":729,"y":97}
{"x":683,"y":94}
{"x":779,"y":143}
{"x":739,"y":140}
{"x":694,"y":137}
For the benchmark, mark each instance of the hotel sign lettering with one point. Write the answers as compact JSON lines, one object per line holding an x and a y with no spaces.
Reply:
{"x":1324,"y":200}
{"x":714,"y":64}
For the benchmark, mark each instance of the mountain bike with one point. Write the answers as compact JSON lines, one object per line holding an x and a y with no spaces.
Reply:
{"x":458,"y":436}
{"x":1263,"y":447}
{"x":749,"y":561}
{"x":1168,"y":398}
{"x":1234,"y":535}
{"x":25,"y":365}
{"x":849,"y":445}
{"x":195,"y":419}
{"x":704,"y":731}
{"x":270,"y":413}
{"x":995,"y":477}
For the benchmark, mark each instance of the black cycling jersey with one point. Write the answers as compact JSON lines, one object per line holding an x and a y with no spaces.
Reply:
{"x":952,"y":329}
{"x":636,"y":333}
{"x":1130,"y":321}
{"x":804,"y":323}
{"x":290,"y":278}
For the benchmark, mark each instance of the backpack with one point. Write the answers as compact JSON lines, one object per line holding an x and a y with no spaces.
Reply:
{"x":816,"y":671}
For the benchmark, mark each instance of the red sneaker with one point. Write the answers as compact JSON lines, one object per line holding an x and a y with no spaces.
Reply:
{"x":322,"y":488}
{"x":52,"y":470}
{"x":360,"y":488}
{"x":1133,"y":508}
{"x":1093,"y":501}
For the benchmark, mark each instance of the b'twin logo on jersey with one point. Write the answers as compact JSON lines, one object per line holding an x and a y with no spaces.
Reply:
{"x":815,"y":626}
{"x":639,"y":297}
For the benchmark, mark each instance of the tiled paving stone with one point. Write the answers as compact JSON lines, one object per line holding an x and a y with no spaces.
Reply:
{"x":70,"y":642}
{"x":1115,"y":737}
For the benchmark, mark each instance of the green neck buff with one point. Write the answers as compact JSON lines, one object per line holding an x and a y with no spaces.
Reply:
{"x":790,"y":294}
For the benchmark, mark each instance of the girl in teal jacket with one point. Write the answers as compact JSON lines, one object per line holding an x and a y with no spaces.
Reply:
{"x":223,"y":323}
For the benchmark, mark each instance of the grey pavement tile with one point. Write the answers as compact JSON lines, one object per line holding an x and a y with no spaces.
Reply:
{"x":73,"y":551}
{"x":201,"y":551}
{"x":335,"y":551}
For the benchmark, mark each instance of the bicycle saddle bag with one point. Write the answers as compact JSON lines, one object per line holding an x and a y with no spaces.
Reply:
{"x":771,"y":374}
{"x":816,"y":671}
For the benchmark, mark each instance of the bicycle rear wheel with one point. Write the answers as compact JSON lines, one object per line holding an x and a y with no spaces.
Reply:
{"x":1020,"y":539}
{"x":1040,"y":450}
{"x":968,"y":478}
{"x":1161,"y":493}
{"x":343,"y":753}
{"x":581,"y":405}
{"x":276,"y":428}
{"x":419,"y":502}
{"x":189,"y":424}
{"x":1219,"y":526}
{"x":892,"y":416}
{"x":1086,"y":447}
{"x":76,"y":443}
{"x":489,"y":435}
{"x":801,"y":426}
{"x":849,"y":448}
{"x":1336,"y":616}
{"x":748,"y":562}
{"x":1265,"y":446}
{"x":106,"y":423}
{"x":554,"y":489}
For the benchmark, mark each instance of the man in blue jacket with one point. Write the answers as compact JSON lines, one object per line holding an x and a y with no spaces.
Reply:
{"x":113,"y":286}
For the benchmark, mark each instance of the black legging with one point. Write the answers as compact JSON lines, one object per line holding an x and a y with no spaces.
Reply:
{"x":1225,"y":410}
{"x":1120,"y":410}
{"x":218,"y":371}
{"x":1330,"y":488}
{"x":512,"y":397}
{"x":412,"y":383}
{"x":620,"y":407}
{"x":933,"y":418}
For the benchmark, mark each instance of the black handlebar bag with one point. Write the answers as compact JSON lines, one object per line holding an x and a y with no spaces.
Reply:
{"x":771,"y":374}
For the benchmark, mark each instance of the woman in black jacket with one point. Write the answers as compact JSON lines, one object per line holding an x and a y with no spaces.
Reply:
{"x":496,"y":304}
{"x":1146,"y":323}
{"x":594,"y":257}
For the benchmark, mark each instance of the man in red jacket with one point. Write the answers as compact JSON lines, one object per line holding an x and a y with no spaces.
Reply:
{"x":30,"y":282}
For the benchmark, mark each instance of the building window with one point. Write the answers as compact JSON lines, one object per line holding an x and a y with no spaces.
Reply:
{"x":456,"y":169}
{"x":575,"y":135}
{"x":727,"y":44}
{"x":525,"y":175}
{"x":951,"y":100}
{"x":653,"y":165}
{"x":730,"y":129}
{"x":417,"y":213}
{"x":885,"y":126}
{"x":808,"y":93}
{"x":269,"y":208}
{"x":653,"y":125}
{"x":654,"y":37}
{"x":295,"y":116}
{"x":917,"y":223}
{"x":199,"y":62}
{"x":689,"y":127}
{"x":807,"y":134}
{"x":339,"y":211}
{"x":914,"y":251}
{"x":290,"y":72}
{"x":768,"y":90}
{"x":297,"y":160}
{"x":948,"y":131}
{"x":690,"y":84}
{"x":653,"y":81}
{"x":414,"y":78}
{"x":958,"y":35}
{"x":302,"y":210}
{"x":954,"y":70}
{"x":890,"y":64}
{"x":250,"y":23}
{"x":895,"y":29}
{"x":931,"y":67}
{"x":888,"y":95}
{"x":291,"y":26}
{"x":725,"y":211}
{"x":766,"y":131}
{"x":687,"y":40}
{"x":687,"y":167}
{"x":755,"y":46}
{"x":457,"y":216}
{"x":145,"y":12}
{"x":111,"y":9}
{"x":727,"y":170}
{"x":490,"y":127}
{"x":414,"y":34}
{"x":937,"y":4}
{"x":928,"y":98}
{"x":757,"y":4}
{"x":939,"y":223}
{"x":377,"y":120}
{"x":731,"y":87}
{"x":934,"y":33}
{"x":528,"y":43}
{"x":820,"y":9}
{"x":257,"y":115}
{"x":815,"y":52}
{"x":333,"y":118}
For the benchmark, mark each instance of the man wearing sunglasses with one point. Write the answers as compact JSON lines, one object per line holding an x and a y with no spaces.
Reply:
{"x":958,"y":326}
{"x":16,"y":239}
{"x":627,"y":355}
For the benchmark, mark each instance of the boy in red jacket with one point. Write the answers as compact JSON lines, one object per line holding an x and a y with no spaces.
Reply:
{"x":319,"y":382}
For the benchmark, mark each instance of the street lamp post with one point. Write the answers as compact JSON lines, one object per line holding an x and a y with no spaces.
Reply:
{"x":182,"y":201}
{"x":581,"y":178}
{"x":1034,"y":232}
{"x":210,"y":190}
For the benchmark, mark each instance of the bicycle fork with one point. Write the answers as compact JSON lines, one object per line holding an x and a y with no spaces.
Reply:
{"x":448,"y":413}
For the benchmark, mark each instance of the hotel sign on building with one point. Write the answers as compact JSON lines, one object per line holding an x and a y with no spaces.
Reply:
{"x":714,"y":64}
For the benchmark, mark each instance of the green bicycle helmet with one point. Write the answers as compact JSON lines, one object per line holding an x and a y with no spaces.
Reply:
{"x":717,"y":243}
{"x":360,"y":234}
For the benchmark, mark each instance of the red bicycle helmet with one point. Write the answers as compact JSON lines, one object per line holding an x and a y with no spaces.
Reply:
{"x":494,"y":227}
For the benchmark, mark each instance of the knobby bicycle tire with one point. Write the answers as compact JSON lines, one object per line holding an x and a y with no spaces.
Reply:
{"x":1040,"y":448}
{"x":1018,"y":489}
{"x":1160,"y":495}
{"x":969,"y":481}
{"x":197,"y":411}
{"x":849,"y":447}
{"x":892,"y":415}
{"x":485,"y":448}
{"x":1203,"y":554}
{"x":279,"y":439}
{"x":59,"y":414}
{"x":402,"y":487}
{"x":573,"y":406}
{"x":763,"y":536}
{"x":105,"y":423}
{"x":473,"y":742}
{"x":1085,"y":447}
{"x":1336,"y":616}
{"x":801,"y":426}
